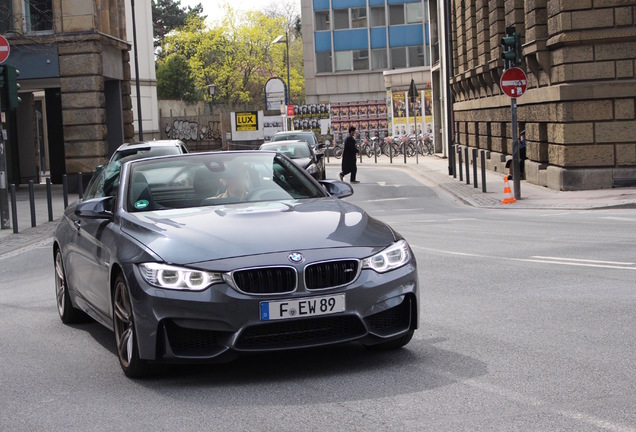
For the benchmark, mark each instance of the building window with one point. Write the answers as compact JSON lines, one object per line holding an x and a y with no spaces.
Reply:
{"x":6,"y":16}
{"x":396,"y":14}
{"x":358,"y":17}
{"x":322,"y":21}
{"x":323,"y":62}
{"x":414,"y":13}
{"x":398,"y":57}
{"x":361,"y":60}
{"x":416,"y":56}
{"x":343,"y":61}
{"x":378,"y":17}
{"x":38,"y":15}
{"x":378,"y":59}
{"x":340,"y":19}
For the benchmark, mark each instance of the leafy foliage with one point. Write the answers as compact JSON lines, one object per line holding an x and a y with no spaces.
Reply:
{"x":237,"y":56}
{"x":174,"y":79}
{"x":168,"y":15}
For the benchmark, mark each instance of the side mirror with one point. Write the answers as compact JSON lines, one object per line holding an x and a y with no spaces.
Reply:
{"x":337,"y":188}
{"x":319,"y":156}
{"x":96,"y":208}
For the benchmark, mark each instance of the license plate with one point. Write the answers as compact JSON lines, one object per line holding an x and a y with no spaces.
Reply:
{"x":277,"y":310}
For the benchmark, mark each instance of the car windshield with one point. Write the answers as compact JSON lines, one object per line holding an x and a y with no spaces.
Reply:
{"x":214,"y":179}
{"x":291,"y":150}
{"x":307,"y":137}
{"x":144,"y":152}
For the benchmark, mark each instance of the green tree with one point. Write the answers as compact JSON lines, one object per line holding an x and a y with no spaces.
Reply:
{"x":174,"y":79}
{"x":168,"y":15}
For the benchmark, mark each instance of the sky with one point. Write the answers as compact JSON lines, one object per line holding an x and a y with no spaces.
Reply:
{"x":212,"y":8}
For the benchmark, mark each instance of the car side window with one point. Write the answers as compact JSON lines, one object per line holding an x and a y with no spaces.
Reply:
{"x":106,"y":183}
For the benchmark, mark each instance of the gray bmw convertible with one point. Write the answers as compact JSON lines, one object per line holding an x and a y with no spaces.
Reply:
{"x":202,"y":257}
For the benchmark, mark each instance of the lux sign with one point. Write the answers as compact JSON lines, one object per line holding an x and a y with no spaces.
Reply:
{"x":247,"y":121}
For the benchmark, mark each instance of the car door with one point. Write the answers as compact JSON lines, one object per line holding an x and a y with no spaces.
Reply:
{"x":93,"y":246}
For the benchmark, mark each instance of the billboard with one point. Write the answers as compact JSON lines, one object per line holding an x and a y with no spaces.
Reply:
{"x":368,"y":117}
{"x":403,"y":111}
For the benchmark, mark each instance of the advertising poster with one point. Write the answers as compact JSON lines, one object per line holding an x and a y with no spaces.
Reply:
{"x":246,"y":121}
{"x":404,"y":110}
{"x":308,"y":117}
{"x":368,"y":117}
{"x":271,"y":125}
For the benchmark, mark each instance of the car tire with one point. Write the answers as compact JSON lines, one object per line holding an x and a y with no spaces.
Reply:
{"x":69,"y":314}
{"x":393,"y":343}
{"x":125,"y":335}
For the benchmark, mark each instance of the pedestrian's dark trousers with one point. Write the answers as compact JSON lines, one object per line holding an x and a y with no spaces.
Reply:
{"x":352,"y":170}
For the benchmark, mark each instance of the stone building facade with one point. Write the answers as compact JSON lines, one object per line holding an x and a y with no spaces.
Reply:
{"x":73,"y":58}
{"x":578,"y":110}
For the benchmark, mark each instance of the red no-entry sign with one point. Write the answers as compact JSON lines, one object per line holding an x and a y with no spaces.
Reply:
{"x":5,"y":49}
{"x":513,"y":82}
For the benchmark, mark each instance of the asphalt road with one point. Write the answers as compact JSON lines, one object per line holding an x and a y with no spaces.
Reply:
{"x":528,"y":324}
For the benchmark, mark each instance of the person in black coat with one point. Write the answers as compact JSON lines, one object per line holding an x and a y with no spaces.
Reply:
{"x":349,"y":157}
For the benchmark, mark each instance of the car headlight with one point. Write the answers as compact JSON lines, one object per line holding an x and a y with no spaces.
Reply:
{"x":178,"y":278}
{"x":393,"y":257}
{"x":312,"y":169}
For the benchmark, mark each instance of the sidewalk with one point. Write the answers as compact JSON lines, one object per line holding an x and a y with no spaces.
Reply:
{"x":435,"y":169}
{"x":44,"y":229}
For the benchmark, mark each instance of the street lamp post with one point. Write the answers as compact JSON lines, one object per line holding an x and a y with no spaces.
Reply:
{"x":134,"y":26}
{"x":280,"y":39}
{"x":211,"y":89}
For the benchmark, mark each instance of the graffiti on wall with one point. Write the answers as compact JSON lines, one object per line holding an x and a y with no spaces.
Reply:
{"x":186,"y":130}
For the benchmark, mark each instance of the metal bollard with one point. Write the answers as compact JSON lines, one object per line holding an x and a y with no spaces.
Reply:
{"x":49,"y":200}
{"x":483,"y":170}
{"x":32,"y":203}
{"x":391,"y":152}
{"x":475,"y":185}
{"x":467,"y":165}
{"x":404,"y":150}
{"x":80,"y":187}
{"x":461,"y":167}
{"x":65,"y":190}
{"x":327,"y":152}
{"x":14,"y":210}
{"x":452,"y":162}
{"x":417,"y":159}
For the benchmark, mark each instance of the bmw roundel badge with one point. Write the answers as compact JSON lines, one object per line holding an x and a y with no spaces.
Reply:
{"x":296,"y":257}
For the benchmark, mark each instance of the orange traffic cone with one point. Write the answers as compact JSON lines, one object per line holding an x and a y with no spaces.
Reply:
{"x":508,"y":198}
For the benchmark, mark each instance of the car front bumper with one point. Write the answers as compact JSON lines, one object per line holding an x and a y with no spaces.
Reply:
{"x":221,"y":322}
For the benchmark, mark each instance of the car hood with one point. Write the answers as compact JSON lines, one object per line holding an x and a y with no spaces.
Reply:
{"x":302,"y":162}
{"x":185,"y":236}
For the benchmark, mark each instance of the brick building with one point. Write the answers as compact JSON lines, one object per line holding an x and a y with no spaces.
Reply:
{"x":74,"y":67}
{"x":578,"y":111}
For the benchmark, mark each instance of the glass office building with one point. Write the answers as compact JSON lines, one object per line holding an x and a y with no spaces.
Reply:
{"x":349,"y":43}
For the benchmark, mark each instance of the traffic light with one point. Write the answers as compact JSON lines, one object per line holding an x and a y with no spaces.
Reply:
{"x":511,"y":46}
{"x":10,"y":85}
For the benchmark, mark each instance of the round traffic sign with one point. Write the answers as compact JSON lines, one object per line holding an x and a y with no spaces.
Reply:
{"x":5,"y":49}
{"x":513,"y":82}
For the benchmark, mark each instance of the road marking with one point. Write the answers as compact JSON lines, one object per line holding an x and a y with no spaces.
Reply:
{"x":557,"y":261}
{"x":531,"y":401}
{"x":461,"y":219}
{"x":382,"y":183}
{"x":622,"y":219}
{"x":387,"y":199}
{"x":583,"y":260}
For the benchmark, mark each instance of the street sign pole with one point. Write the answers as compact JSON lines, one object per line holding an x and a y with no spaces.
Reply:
{"x":5,"y":50}
{"x":513,"y":83}
{"x":516,"y":174}
{"x":4,"y":186}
